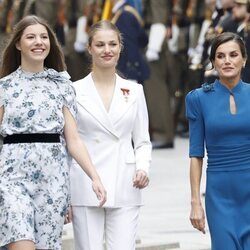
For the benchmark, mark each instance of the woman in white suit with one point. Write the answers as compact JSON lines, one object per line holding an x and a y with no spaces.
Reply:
{"x":113,"y":122}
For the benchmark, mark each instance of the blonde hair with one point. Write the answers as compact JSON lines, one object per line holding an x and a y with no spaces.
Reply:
{"x":103,"y":25}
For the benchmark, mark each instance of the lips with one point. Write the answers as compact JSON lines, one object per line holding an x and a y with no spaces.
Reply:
{"x":228,"y":68}
{"x":107,"y":57}
{"x":38,"y":50}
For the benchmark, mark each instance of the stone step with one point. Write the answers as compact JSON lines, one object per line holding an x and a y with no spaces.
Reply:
{"x":158,"y":246}
{"x":68,"y":244}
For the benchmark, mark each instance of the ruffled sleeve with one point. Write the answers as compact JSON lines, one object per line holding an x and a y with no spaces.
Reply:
{"x":66,"y":89}
{"x":69,"y":96}
{"x":196,"y":124}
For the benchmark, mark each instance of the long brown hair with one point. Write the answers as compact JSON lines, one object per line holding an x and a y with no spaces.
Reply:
{"x":12,"y":56}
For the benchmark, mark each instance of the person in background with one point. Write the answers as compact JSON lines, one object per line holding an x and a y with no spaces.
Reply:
{"x":132,"y":63}
{"x":218,"y":115}
{"x":240,"y":14}
{"x":37,"y":122}
{"x":113,"y":122}
{"x":157,"y":17}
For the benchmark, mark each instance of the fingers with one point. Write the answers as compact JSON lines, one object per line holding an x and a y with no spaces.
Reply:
{"x":141,"y":179}
{"x":102,"y":197}
{"x":68,"y":216}
{"x":100,"y":192}
{"x":199,"y":224}
{"x":197,"y":216}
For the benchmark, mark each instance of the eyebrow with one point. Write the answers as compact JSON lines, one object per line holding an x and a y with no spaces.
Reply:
{"x":229,"y":52}
{"x":44,"y":33}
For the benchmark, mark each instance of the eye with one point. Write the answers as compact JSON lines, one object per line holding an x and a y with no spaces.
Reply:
{"x":44,"y":36}
{"x":220,"y":56}
{"x":30,"y":37}
{"x":234,"y":54}
{"x":113,"y":44}
{"x":99,"y":44}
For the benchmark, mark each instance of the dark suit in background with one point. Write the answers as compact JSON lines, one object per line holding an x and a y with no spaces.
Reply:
{"x":132,"y":63}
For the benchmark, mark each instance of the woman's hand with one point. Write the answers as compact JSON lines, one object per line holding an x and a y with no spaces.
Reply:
{"x":141,"y":179}
{"x":197,"y":217}
{"x":99,"y":191}
{"x":68,"y":216}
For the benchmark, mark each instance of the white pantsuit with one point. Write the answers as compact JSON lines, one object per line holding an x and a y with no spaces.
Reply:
{"x":118,"y":143}
{"x":120,"y":225}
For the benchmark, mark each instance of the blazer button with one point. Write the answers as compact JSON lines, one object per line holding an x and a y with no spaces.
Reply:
{"x":97,"y":140}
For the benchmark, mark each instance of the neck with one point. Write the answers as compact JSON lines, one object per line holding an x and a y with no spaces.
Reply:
{"x":34,"y":68}
{"x":230,"y":83}
{"x":104,"y":77}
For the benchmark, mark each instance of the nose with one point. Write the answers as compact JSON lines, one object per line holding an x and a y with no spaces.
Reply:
{"x":38,"y":40}
{"x":227,"y":59}
{"x":107,"y":48}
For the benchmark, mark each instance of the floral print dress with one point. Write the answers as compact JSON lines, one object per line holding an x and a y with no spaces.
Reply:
{"x":34,"y":177}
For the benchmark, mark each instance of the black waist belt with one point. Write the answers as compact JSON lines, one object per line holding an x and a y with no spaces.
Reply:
{"x":29,"y":138}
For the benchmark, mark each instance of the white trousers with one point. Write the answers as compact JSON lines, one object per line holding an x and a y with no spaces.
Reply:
{"x":116,"y":227}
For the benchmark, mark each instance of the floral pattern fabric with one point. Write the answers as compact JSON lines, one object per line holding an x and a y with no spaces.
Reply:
{"x":34,"y":177}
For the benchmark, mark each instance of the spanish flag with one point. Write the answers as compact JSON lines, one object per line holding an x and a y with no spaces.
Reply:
{"x":107,"y":9}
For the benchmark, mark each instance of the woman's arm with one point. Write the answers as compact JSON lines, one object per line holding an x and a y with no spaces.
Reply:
{"x":142,"y":144}
{"x":79,"y":152}
{"x":1,"y":114}
{"x":197,"y":215}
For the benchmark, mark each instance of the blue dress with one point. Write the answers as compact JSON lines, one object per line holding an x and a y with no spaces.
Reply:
{"x":226,"y":137}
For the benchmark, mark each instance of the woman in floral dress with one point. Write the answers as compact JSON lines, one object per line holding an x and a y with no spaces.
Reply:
{"x":37,"y":111}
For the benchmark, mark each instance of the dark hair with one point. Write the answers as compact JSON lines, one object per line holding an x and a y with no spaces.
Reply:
{"x":12,"y":56}
{"x":103,"y":25}
{"x":226,"y":37}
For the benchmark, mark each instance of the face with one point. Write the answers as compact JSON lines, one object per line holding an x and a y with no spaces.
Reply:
{"x":240,"y":12}
{"x":105,"y":48}
{"x":227,"y":4}
{"x":34,"y":46}
{"x":229,"y":61}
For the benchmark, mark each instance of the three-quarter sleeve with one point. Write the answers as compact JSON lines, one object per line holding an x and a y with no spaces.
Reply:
{"x":196,"y":124}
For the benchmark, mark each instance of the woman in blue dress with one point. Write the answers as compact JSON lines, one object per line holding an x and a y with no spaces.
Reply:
{"x":37,"y":122}
{"x":219,"y":118}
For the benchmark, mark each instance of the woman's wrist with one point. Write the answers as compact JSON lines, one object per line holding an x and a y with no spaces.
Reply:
{"x":195,"y":202}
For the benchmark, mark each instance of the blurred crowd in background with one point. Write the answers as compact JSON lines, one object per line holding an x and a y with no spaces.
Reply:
{"x":172,"y":36}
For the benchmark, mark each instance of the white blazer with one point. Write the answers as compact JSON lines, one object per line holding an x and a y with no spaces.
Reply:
{"x":108,"y":137}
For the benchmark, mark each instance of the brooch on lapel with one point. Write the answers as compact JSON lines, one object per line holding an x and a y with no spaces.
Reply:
{"x":125,"y":93}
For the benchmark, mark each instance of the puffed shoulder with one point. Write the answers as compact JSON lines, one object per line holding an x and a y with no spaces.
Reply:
{"x":69,"y":95}
{"x":65,"y":86}
{"x":193,"y":104}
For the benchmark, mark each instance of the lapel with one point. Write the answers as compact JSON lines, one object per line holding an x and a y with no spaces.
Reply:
{"x":123,"y":98}
{"x":89,"y":99}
